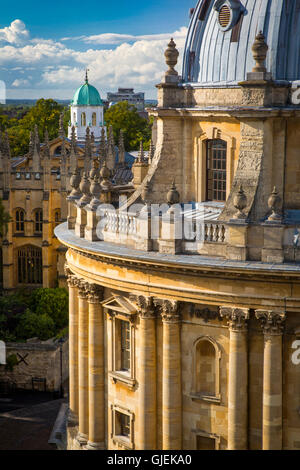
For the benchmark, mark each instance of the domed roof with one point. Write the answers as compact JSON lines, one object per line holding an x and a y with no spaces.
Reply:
{"x":222,"y":32}
{"x":87,"y":95}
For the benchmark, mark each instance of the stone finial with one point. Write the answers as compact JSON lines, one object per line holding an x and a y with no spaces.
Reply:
{"x":94,"y":171}
{"x":145,"y":193}
{"x":111,"y":153}
{"x":37,"y":144}
{"x":85,"y":190}
{"x":173,"y":196}
{"x":61,"y":131}
{"x":171,"y":55}
{"x":31,"y":143}
{"x":141,"y":156}
{"x":121,"y":159}
{"x":95,"y":191}
{"x":240,"y":203}
{"x":274,"y":203}
{"x":74,"y":183}
{"x":151,"y":151}
{"x":102,"y":146}
{"x":105,"y":177}
{"x":260,"y":49}
{"x":87,"y":150}
{"x":47,"y":148}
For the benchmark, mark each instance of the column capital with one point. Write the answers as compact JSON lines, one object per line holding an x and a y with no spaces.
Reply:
{"x":82,"y":289}
{"x":145,"y":305}
{"x":169,"y":310}
{"x":94,"y":293}
{"x":237,"y":317}
{"x":272,"y":321}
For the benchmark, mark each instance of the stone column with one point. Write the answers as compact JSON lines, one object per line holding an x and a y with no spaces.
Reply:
{"x":272,"y":324}
{"x":83,"y":376}
{"x":172,"y":390}
{"x":237,"y":377}
{"x":73,"y":348}
{"x":147,"y":374}
{"x":96,"y":434}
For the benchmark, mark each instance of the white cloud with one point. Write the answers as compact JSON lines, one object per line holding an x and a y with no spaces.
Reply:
{"x":20,"y":83}
{"x":137,"y":61}
{"x":16,"y":33}
{"x":115,"y":38}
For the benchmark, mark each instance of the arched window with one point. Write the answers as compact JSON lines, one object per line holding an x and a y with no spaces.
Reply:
{"x":207,"y":357}
{"x":30,"y":267}
{"x":38,"y":221}
{"x":83,"y":119}
{"x":216,"y":151}
{"x":94,"y":119}
{"x":20,"y":220}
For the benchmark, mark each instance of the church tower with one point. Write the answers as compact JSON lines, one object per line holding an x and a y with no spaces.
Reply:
{"x":86,"y":111}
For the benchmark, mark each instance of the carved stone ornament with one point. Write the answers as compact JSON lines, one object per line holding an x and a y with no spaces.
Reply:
{"x":94,"y":293}
{"x":83,"y":289}
{"x":145,"y":305}
{"x":169,"y":310}
{"x":204,"y":313}
{"x":274,"y":203}
{"x":240,"y":203}
{"x":171,"y":55}
{"x":259,"y":50}
{"x":237,"y":317}
{"x":272,"y":322}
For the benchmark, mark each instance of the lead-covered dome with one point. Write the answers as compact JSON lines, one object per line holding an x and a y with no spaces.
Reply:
{"x":87,"y":95}
{"x":221,"y":35}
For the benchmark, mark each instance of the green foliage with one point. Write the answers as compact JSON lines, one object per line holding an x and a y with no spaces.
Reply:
{"x":45,"y":114}
{"x":41,"y":313}
{"x":53,"y":302}
{"x":11,"y":362}
{"x":34,"y":325}
{"x":4,"y":219}
{"x":124,"y":116}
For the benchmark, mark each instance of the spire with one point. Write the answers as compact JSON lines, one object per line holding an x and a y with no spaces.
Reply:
{"x":31,"y":143}
{"x":141,"y":152}
{"x":47,"y":148}
{"x":121,"y":159}
{"x":87,"y":151}
{"x":111,"y":152}
{"x":6,"y":145}
{"x":73,"y":151}
{"x":86,"y":76}
{"x":151,"y":152}
{"x":102,"y":146}
{"x":61,"y":131}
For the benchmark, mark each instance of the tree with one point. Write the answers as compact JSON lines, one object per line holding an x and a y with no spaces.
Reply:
{"x":33,"y":325}
{"x":124,"y":116}
{"x":45,"y":114}
{"x":53,"y":302}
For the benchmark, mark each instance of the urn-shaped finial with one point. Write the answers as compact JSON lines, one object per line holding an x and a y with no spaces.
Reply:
{"x":85,"y":189}
{"x":94,"y":171}
{"x":95,"y":190}
{"x":260,"y":49}
{"x":173,"y":196}
{"x":274,"y":203}
{"x":74,"y":183}
{"x":240,"y":203}
{"x":145,"y":193}
{"x":171,"y":55}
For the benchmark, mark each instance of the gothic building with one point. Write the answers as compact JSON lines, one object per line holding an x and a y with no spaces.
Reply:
{"x":34,"y":188}
{"x":186,"y":339}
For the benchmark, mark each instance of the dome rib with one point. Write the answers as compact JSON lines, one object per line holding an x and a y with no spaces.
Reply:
{"x":211,"y":57}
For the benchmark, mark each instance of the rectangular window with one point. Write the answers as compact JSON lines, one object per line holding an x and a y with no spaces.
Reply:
{"x":206,"y":443}
{"x":216,"y":170}
{"x":38,"y":222}
{"x":122,"y":427}
{"x":125,"y":345}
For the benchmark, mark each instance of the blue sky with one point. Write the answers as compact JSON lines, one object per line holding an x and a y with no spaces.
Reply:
{"x":45,"y":47}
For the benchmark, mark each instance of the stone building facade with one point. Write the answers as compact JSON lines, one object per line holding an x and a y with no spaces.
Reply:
{"x":34,"y":188}
{"x":186,"y":340}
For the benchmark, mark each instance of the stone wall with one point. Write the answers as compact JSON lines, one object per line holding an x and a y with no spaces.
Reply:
{"x":37,"y":359}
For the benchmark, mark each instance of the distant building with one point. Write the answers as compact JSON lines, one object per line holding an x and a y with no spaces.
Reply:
{"x":127,"y":94}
